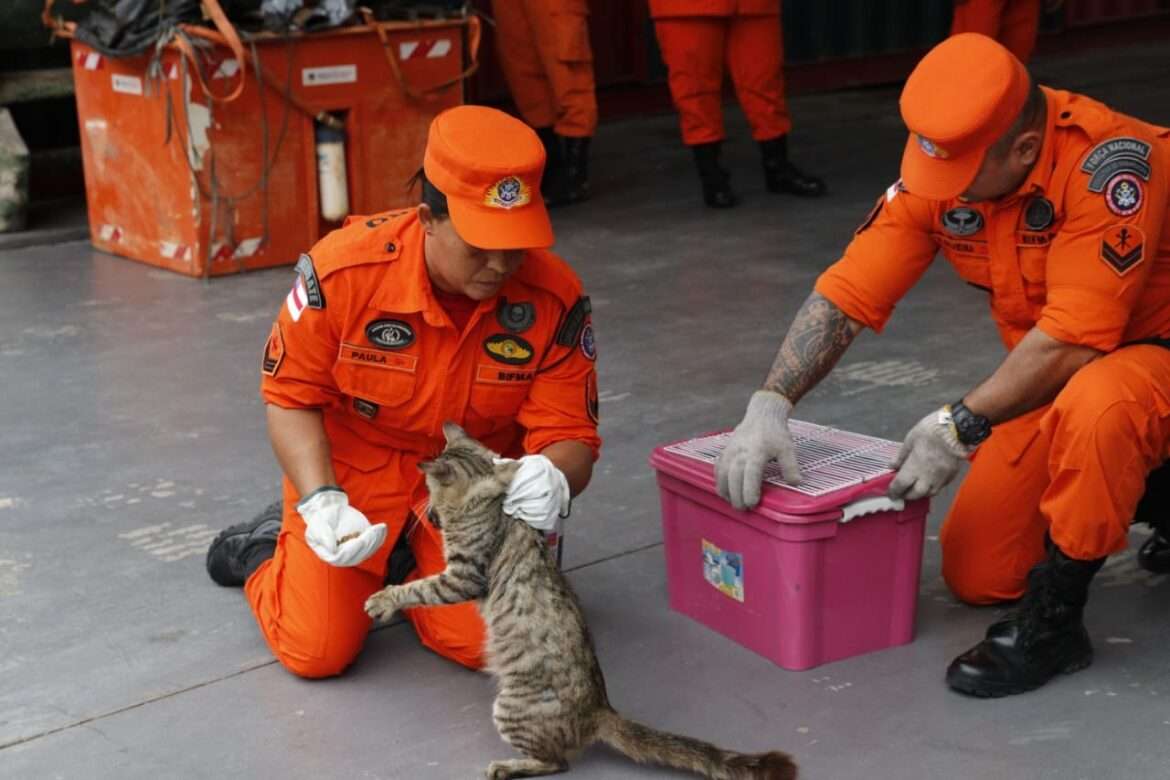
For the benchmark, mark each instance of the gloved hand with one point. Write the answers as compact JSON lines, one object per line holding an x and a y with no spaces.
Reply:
{"x":329,"y":518}
{"x":539,"y":493}
{"x":761,"y":436}
{"x":929,"y":458}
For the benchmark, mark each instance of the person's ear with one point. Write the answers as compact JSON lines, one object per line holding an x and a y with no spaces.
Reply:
{"x":426,"y":217}
{"x":1026,"y":148}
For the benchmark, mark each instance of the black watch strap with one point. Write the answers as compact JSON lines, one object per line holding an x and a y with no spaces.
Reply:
{"x":971,"y":428}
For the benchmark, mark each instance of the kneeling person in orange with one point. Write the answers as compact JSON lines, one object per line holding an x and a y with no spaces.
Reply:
{"x":396,"y":323}
{"x":1057,"y":206}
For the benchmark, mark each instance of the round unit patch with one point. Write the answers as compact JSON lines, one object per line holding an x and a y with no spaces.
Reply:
{"x":516,"y":317}
{"x":588,"y":345}
{"x":1123,"y":194}
{"x":1039,"y":214}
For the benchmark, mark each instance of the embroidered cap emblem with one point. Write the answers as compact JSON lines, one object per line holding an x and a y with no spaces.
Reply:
{"x":931,"y":149}
{"x":508,"y":193}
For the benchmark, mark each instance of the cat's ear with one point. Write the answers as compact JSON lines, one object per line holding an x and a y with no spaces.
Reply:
{"x":439,"y":469}
{"x":505,"y":470}
{"x":453,"y":432}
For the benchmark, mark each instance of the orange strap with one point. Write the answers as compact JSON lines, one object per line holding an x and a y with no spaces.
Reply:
{"x":473,"y":35}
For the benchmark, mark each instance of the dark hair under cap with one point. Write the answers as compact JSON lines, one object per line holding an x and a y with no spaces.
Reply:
{"x":430,"y":195}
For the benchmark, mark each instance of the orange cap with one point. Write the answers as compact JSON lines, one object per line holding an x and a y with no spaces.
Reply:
{"x":959,"y":100}
{"x":489,"y":164}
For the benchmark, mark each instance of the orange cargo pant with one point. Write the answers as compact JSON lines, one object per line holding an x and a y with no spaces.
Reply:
{"x":695,"y":50}
{"x":545,"y":55}
{"x":311,"y":614}
{"x":1014,"y":23}
{"x":1075,"y":468}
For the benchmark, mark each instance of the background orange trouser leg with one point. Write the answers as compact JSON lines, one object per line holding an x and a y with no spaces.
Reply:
{"x":755,"y":58}
{"x":1014,"y":23}
{"x":693,"y":50}
{"x":546,"y":58}
{"x":312,"y":614}
{"x":1076,"y":468}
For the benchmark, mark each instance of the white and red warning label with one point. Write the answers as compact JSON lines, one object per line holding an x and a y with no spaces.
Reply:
{"x":431,"y":50}
{"x":330,"y":74}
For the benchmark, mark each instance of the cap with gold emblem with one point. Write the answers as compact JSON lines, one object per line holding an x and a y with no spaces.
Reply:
{"x":489,"y":165}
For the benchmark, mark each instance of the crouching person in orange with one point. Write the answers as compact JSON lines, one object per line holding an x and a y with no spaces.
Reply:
{"x":1057,"y":206}
{"x":449,"y":311}
{"x":698,"y":38}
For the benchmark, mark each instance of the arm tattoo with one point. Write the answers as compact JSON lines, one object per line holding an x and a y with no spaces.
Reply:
{"x":817,"y":338}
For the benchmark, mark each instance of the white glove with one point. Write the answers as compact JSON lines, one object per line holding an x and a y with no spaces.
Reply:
{"x":930,"y":457}
{"x":539,"y":493}
{"x":761,"y":436}
{"x":328,"y":518}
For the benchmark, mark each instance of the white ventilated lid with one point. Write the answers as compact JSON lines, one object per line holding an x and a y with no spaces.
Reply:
{"x":830,"y":459}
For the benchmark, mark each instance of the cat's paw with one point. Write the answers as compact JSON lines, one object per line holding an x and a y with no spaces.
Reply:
{"x":383,"y":604}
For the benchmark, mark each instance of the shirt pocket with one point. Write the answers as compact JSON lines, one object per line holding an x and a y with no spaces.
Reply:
{"x":973,"y":268}
{"x":496,"y":395}
{"x":383,"y":377}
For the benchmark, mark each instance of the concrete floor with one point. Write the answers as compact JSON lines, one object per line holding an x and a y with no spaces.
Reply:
{"x":131,"y":418}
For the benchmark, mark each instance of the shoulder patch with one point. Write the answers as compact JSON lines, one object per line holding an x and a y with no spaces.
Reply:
{"x":1116,"y":155}
{"x":315,"y":298}
{"x":1123,"y":247}
{"x":574,"y":322}
{"x":273,"y":352}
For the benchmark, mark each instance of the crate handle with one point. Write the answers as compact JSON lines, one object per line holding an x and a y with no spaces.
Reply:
{"x":473,"y":35}
{"x":869,"y":506}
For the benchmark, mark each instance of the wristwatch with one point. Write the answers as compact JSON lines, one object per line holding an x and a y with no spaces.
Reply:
{"x":971,"y":428}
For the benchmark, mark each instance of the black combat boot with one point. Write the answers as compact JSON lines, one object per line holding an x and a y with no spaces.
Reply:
{"x":553,"y":183}
{"x":576,"y":151}
{"x":238,"y":551}
{"x":1042,"y":637}
{"x":1154,"y":511}
{"x":715,"y":180}
{"x":780,"y":175}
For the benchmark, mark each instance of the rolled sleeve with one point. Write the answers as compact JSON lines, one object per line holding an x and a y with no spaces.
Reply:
{"x":562,"y":401}
{"x":887,"y":256}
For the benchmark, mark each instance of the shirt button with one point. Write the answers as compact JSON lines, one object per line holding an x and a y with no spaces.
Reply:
{"x":390,"y":247}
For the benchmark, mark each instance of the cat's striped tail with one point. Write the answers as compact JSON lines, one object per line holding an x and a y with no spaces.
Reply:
{"x":650,"y":746}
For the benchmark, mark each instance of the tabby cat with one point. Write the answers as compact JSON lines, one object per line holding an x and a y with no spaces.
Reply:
{"x":551,"y":702}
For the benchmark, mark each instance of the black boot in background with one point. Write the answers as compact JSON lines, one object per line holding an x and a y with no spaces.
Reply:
{"x":1154,"y":511}
{"x":1042,"y":637}
{"x":715,"y":180}
{"x":552,"y":183}
{"x":576,"y":152}
{"x":780,"y":175}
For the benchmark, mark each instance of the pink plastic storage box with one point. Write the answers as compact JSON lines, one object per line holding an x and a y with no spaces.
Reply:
{"x":816,"y":573}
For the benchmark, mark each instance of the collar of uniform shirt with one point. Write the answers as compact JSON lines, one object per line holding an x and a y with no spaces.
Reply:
{"x":1041,"y":173}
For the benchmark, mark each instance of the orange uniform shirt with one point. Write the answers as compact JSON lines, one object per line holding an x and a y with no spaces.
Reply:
{"x":1081,"y":250}
{"x":362,"y":337}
